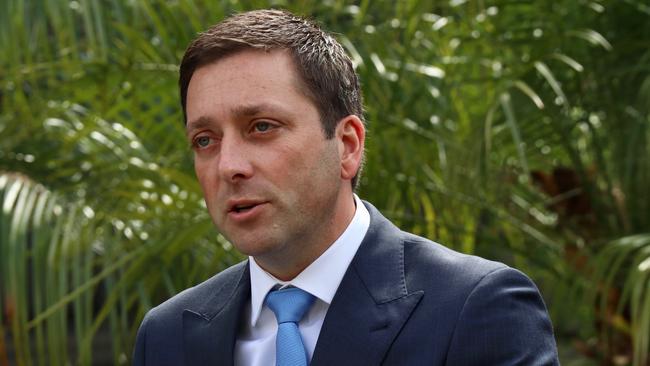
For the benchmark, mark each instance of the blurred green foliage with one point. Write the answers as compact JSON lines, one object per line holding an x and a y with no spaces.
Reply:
{"x":515,"y":130}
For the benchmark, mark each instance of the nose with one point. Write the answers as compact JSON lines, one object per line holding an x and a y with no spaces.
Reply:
{"x":234,"y":160}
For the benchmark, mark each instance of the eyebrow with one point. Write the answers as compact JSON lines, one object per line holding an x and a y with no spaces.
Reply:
{"x":248,"y":110}
{"x":197,"y":124}
{"x":239,"y":111}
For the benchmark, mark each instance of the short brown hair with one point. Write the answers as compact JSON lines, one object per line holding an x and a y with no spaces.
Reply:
{"x":325,"y":69}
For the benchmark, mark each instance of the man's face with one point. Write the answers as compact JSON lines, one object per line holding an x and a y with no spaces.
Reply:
{"x":271,"y":180}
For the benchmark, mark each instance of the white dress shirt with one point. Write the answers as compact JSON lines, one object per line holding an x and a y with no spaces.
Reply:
{"x":256,"y":337}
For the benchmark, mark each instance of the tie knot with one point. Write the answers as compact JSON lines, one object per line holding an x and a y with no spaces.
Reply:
{"x":289,"y":304}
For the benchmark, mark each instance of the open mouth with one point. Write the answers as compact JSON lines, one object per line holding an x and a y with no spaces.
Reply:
{"x":243,"y":208}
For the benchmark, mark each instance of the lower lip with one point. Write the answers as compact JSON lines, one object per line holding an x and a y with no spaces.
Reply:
{"x":247,"y":215}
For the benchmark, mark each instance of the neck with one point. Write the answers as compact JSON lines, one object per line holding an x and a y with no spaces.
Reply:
{"x":287,"y":265}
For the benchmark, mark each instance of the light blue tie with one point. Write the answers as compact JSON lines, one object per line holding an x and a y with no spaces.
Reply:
{"x":289,"y":306}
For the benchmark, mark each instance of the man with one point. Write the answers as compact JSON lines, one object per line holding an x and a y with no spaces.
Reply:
{"x":274,"y":115}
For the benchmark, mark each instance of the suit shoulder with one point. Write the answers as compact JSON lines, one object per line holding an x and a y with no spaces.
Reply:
{"x":423,"y":254}
{"x":516,"y":309}
{"x":159,"y":341}
{"x":431,"y":266}
{"x":195,"y":296}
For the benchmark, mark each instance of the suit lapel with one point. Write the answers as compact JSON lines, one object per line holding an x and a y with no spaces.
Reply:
{"x":210,"y":330}
{"x":372,"y":303}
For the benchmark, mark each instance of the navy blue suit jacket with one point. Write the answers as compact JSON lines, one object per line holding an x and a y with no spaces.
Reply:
{"x":404,"y":300}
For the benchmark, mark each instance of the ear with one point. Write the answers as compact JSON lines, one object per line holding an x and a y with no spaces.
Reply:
{"x":351,"y":137}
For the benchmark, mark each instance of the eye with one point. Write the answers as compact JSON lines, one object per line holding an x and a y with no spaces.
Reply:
{"x":202,"y":141}
{"x":262,"y":126}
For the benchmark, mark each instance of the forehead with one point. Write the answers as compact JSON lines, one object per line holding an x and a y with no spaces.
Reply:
{"x":250,"y":77}
{"x":248,"y":67}
{"x":253,"y":59}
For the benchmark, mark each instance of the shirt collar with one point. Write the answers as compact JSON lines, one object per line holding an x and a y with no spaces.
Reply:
{"x":323,"y":276}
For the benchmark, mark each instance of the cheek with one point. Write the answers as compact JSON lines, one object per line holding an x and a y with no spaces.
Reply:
{"x":317,"y":166}
{"x":203,"y":175}
{"x":199,"y":171}
{"x":281,"y":161}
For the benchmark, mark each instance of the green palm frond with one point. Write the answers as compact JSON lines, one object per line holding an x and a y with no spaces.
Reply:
{"x":467,"y":102}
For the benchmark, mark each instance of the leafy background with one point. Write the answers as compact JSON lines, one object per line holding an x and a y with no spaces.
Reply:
{"x":513,"y":129}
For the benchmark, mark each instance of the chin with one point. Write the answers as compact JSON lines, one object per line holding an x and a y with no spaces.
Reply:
{"x":254,"y":248}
